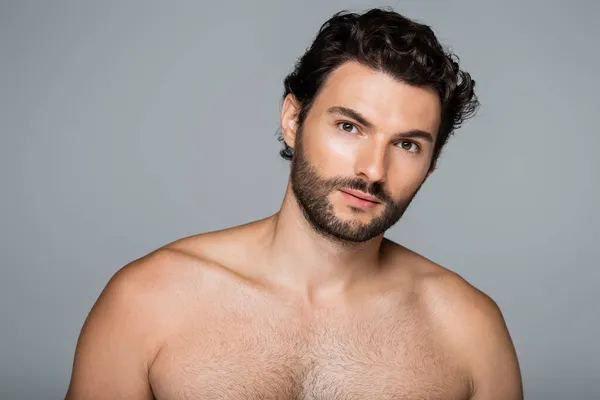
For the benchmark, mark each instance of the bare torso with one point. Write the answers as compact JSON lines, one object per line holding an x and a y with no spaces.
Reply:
{"x":242,"y":339}
{"x":202,"y":318}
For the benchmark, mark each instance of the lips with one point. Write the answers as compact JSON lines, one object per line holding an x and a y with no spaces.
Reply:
{"x":361,"y":195}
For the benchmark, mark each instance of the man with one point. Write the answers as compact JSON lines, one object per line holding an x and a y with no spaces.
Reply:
{"x":313,"y":302}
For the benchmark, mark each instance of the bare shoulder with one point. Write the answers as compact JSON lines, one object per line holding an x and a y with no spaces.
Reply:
{"x":157,"y":273}
{"x":471,"y":326}
{"x":147,"y":293}
{"x":443,"y":292}
{"x":185,"y":265}
{"x":151,"y":296}
{"x":176,"y":270}
{"x":448,"y":295}
{"x":160,"y":282}
{"x":125,"y":328}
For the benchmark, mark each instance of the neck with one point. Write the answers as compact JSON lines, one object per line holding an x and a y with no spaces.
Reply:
{"x":312,"y":263}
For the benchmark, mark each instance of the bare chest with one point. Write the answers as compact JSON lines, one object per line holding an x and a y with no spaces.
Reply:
{"x":259,"y":357}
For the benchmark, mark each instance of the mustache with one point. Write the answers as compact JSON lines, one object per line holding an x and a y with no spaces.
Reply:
{"x":373,"y":188}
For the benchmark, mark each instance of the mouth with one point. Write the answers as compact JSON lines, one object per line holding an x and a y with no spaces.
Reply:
{"x":361,"y":196}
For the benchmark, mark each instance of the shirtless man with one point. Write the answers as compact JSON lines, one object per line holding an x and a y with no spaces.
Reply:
{"x":313,"y":302}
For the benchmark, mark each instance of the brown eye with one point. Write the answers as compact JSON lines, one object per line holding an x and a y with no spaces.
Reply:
{"x":409,"y":146}
{"x":346,"y":127}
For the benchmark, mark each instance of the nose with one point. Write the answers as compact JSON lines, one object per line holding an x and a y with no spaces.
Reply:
{"x":371,"y":160}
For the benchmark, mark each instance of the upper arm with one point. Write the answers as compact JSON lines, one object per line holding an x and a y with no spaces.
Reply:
{"x":471,"y":325}
{"x":116,"y":343}
{"x":495,"y":368}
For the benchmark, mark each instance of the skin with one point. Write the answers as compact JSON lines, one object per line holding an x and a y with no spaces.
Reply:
{"x":284,"y":308}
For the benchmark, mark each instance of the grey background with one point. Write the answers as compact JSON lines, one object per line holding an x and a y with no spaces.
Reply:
{"x":128,"y":124}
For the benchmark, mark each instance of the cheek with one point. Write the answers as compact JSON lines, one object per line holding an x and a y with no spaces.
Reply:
{"x":406,"y":174}
{"x":339,"y":148}
{"x":332,"y":152}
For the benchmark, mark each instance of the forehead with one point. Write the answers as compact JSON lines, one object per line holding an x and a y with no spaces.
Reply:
{"x":385,"y":101}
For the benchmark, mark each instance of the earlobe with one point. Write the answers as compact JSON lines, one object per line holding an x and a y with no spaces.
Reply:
{"x":289,"y":115}
{"x":431,"y":168}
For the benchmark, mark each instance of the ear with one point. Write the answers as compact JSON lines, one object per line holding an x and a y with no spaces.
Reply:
{"x":431,"y":168}
{"x":289,"y":119}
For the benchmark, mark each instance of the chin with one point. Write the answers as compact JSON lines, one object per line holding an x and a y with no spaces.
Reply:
{"x":357,"y":214}
{"x":354,"y":222}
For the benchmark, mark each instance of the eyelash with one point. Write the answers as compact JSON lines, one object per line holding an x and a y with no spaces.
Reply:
{"x":339,"y":125}
{"x":418,"y":147}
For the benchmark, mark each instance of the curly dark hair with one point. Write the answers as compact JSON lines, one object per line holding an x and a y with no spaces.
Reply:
{"x":389,"y":42}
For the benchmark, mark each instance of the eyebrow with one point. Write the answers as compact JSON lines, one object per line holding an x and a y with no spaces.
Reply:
{"x":358,"y":117}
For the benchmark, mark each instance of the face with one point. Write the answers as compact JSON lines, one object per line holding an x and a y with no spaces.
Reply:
{"x":362,"y":152}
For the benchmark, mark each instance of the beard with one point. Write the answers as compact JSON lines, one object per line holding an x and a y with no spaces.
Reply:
{"x":311,"y":192}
